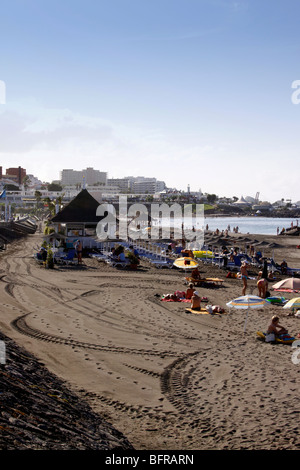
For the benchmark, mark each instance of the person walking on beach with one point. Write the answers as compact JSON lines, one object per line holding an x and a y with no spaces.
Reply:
{"x":244,"y":274}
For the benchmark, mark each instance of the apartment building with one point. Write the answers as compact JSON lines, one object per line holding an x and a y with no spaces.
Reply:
{"x":89,"y":176}
{"x":14,"y":174}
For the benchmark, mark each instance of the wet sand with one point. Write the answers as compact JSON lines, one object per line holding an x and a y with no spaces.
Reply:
{"x":166,"y":379}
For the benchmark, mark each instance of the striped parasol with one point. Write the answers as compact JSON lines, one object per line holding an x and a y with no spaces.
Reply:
{"x":293,"y":303}
{"x":246,"y":302}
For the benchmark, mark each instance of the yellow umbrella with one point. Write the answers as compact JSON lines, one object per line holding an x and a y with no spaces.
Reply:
{"x":185,"y":263}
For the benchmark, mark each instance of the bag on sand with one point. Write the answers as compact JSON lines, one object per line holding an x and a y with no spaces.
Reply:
{"x":270,"y":337}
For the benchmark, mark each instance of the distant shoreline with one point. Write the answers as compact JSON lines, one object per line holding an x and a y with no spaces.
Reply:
{"x":242,"y":216}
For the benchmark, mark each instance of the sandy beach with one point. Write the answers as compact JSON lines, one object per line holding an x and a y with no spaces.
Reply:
{"x":164,"y":378}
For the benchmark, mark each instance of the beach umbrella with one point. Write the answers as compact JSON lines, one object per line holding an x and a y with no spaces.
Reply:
{"x":185,"y":263}
{"x":292,"y":284}
{"x":293,"y":303}
{"x":246,"y":302}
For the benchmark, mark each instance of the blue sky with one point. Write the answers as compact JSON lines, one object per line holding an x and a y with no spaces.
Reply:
{"x":192,"y":92}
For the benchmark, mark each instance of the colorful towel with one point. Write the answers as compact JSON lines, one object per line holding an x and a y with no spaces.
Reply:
{"x":173,"y":298}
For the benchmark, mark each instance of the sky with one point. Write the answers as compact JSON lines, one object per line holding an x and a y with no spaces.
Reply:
{"x":191,"y":92}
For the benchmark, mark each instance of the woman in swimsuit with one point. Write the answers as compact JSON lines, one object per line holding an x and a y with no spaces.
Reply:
{"x":244,"y":274}
{"x":262,"y":286}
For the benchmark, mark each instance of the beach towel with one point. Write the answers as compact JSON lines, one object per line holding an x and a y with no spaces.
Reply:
{"x":205,"y":311}
{"x":179,"y":296}
{"x":174,"y":298}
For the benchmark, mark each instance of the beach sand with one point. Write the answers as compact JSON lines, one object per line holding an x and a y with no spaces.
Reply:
{"x":166,"y":379}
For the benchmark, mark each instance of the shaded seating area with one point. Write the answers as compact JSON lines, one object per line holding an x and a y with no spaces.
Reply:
{"x":40,"y":256}
{"x":65,"y":258}
{"x":152,"y":253}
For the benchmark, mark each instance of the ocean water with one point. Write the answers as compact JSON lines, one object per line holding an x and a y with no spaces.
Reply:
{"x":255,"y":225}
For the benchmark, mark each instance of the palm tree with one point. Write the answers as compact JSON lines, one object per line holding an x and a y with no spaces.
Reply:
{"x":59,"y":200}
{"x":50,"y":204}
{"x":38,"y":197}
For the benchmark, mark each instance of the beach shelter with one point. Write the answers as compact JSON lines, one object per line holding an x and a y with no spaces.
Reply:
{"x":246,"y":302}
{"x":78,"y":218}
{"x":292,"y":284}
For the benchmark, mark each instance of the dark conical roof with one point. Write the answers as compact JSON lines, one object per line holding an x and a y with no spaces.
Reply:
{"x":81,"y":209}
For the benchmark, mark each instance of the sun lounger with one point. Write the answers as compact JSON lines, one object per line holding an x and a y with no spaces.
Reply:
{"x":100,"y":256}
{"x":38,"y":258}
{"x":161,"y":263}
{"x":115,"y":263}
{"x":205,"y":281}
{"x":66,"y":258}
{"x":277,"y":268}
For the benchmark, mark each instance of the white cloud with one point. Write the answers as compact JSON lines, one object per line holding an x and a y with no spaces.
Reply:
{"x":45,"y":141}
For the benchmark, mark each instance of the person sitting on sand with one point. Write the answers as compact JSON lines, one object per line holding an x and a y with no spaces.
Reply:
{"x":190,"y":291}
{"x":244,"y":274}
{"x":283,"y":267}
{"x":196,"y":301}
{"x":275,"y":328}
{"x":262,"y":286}
{"x":195,"y":274}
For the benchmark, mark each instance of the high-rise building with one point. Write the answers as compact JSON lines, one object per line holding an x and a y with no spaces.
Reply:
{"x":138,"y":184}
{"x":69,"y":177}
{"x":147,"y":185}
{"x":94,"y":176}
{"x":124,"y":184}
{"x":88,"y":176}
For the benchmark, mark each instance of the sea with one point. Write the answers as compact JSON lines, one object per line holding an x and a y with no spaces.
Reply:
{"x":256,"y":225}
{"x":244,"y":225}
